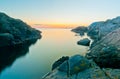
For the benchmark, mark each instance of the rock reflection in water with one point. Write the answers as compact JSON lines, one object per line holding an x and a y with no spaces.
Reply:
{"x":9,"y":54}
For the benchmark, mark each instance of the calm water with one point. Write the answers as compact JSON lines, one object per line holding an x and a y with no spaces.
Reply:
{"x":54,"y":44}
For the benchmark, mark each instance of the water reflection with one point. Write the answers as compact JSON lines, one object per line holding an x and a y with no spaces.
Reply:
{"x":54,"y":44}
{"x":9,"y":54}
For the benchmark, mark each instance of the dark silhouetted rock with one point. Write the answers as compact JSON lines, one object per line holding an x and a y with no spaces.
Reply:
{"x":81,"y":30}
{"x":14,"y":31}
{"x":59,"y":62}
{"x":84,"y":42}
{"x":5,"y":39}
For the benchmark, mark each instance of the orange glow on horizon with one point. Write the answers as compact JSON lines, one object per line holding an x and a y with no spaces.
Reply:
{"x":57,"y":25}
{"x":47,"y":24}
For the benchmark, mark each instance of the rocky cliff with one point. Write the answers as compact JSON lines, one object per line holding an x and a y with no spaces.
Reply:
{"x":15,"y":31}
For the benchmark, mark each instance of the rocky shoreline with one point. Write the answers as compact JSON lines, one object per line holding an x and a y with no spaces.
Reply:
{"x":15,"y":31}
{"x":101,"y":62}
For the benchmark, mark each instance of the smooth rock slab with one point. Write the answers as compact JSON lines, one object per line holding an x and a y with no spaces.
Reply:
{"x":97,"y":30}
{"x":106,"y":52}
{"x":74,"y":65}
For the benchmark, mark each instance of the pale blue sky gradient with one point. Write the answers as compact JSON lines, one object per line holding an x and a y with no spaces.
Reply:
{"x":79,"y":12}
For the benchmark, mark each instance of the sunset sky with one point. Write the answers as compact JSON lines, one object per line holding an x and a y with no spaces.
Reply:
{"x":61,"y":13}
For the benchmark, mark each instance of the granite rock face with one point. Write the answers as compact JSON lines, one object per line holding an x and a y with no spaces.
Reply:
{"x":14,"y":31}
{"x":106,"y":52}
{"x":84,"y":42}
{"x":98,"y":30}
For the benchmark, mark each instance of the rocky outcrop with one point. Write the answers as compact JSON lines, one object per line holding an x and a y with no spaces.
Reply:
{"x":106,"y":52}
{"x":98,"y":30}
{"x":14,"y":31}
{"x":81,"y":30}
{"x":15,"y":39}
{"x":78,"y":67}
{"x":84,"y":42}
{"x":70,"y":67}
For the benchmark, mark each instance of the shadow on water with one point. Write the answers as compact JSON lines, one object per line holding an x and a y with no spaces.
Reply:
{"x":9,"y":54}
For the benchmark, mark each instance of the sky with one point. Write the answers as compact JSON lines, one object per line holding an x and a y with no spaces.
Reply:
{"x":61,"y":13}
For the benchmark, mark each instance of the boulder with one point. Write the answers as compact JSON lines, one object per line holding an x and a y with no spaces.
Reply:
{"x":84,"y":42}
{"x":15,"y":30}
{"x":74,"y":65}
